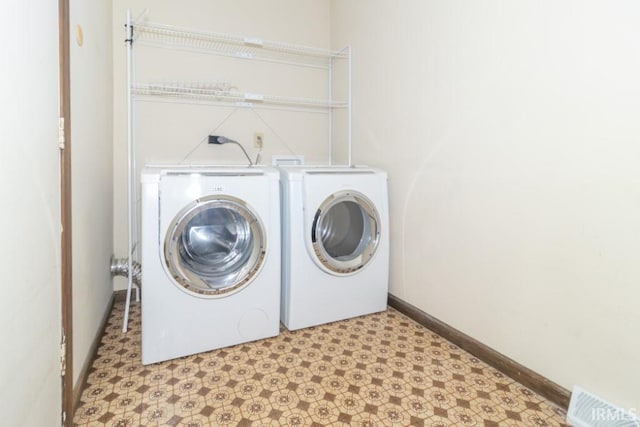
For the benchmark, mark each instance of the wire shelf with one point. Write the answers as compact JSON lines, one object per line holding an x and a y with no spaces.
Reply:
{"x":234,"y":45}
{"x":217,"y":93}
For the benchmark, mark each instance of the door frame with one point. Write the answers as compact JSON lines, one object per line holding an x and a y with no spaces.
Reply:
{"x":66,"y":367}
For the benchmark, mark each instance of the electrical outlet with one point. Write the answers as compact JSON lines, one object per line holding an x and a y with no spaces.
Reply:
{"x":258,"y":140}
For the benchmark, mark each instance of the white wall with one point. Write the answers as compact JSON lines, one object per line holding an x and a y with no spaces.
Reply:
{"x":92,"y":172}
{"x":176,"y":133}
{"x":30,"y":187}
{"x":510,"y":131}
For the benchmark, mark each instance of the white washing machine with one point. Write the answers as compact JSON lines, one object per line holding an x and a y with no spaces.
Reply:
{"x":210,"y":258}
{"x":335,"y":235}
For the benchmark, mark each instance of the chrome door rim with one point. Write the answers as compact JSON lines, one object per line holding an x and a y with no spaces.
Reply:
{"x":188,"y":280}
{"x":371,"y":222}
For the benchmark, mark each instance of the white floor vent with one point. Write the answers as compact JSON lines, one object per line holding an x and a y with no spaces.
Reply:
{"x":588,"y":410}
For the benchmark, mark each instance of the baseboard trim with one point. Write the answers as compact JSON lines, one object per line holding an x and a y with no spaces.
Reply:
{"x":525,"y":376}
{"x":81,"y":384}
{"x":121,"y":295}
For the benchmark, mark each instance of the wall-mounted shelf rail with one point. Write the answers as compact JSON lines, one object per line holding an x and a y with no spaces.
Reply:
{"x":212,"y":94}
{"x":234,"y":45}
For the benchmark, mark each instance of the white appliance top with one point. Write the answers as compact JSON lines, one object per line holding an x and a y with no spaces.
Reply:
{"x":289,"y":171}
{"x":154,"y":172}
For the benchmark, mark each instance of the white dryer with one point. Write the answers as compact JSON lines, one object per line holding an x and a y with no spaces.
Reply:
{"x":335,"y":236}
{"x":210,"y":258}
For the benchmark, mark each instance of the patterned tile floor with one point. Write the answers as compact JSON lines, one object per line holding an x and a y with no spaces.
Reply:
{"x":377,"y":370}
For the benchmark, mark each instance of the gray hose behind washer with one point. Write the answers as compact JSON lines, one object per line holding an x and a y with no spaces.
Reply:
{"x":120,"y":267}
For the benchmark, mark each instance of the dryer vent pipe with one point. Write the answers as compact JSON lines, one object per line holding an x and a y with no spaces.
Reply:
{"x":120,"y":267}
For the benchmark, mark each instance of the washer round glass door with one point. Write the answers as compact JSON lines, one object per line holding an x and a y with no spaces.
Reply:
{"x":215,"y":246}
{"x":345,"y":232}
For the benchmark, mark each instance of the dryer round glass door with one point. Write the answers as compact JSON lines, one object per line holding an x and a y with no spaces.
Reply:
{"x":345,"y":232}
{"x":215,"y":246}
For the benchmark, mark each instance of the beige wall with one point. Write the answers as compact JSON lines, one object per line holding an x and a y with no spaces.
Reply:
{"x":92,"y":172}
{"x":30,"y":215}
{"x":510,"y":132}
{"x":175,"y":133}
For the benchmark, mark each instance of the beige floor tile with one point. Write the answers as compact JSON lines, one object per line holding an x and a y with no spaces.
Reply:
{"x":377,"y":370}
